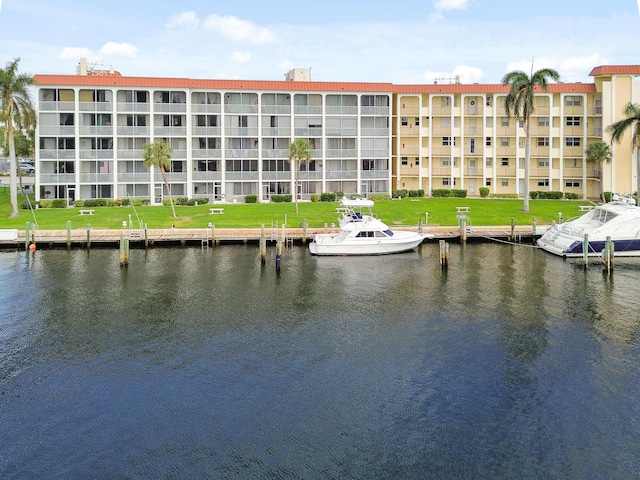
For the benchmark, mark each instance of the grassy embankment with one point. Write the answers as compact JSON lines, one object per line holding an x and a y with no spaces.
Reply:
{"x":442,"y":211}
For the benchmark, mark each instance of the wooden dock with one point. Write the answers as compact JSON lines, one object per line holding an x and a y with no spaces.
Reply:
{"x":105,"y":237}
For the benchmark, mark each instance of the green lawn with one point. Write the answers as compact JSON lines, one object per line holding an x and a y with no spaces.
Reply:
{"x":442,"y":211}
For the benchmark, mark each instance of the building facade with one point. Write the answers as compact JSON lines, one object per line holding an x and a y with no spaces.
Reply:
{"x":231,"y":138}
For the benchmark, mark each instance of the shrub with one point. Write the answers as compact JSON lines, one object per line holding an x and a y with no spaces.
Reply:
{"x":503,"y":195}
{"x":607,"y":196}
{"x":59,"y":203}
{"x":24,"y":205}
{"x":339,"y":194}
{"x":421,"y":192}
{"x":440,"y":192}
{"x":484,"y":192}
{"x":126,"y":202}
{"x":549,"y":195}
{"x":101,"y":202}
{"x":138,"y":202}
{"x":117,"y":202}
{"x":45,"y":203}
{"x":78,"y":203}
{"x":534,"y":194}
{"x":251,"y":198}
{"x":327,"y":197}
{"x":412,"y":193}
{"x":379,"y":197}
{"x":281,"y":198}
{"x":571,"y":196}
{"x":459,"y":193}
{"x":314,"y":197}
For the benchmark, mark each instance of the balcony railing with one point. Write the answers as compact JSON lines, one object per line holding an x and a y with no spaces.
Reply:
{"x":341,"y":132}
{"x":170,"y":131}
{"x":384,"y":111}
{"x":206,"y":108}
{"x":308,"y":132}
{"x":235,"y":108}
{"x":206,"y":131}
{"x":276,"y":131}
{"x":57,"y":130}
{"x":170,"y":107}
{"x":341,"y":153}
{"x":131,"y":153}
{"x":341,"y":175}
{"x":241,"y":153}
{"x":276,"y":176}
{"x":307,"y":109}
{"x":371,"y":174}
{"x":241,"y":131}
{"x":207,"y":176}
{"x":375,"y":132}
{"x":96,"y":106}
{"x":172,"y":177}
{"x":346,"y":110}
{"x":95,"y":154}
{"x":127,"y":130}
{"x":59,"y":154}
{"x":275,"y":153}
{"x":57,"y":178}
{"x":134,"y":107}
{"x":139,"y":177}
{"x":94,"y":177}
{"x":241,"y":176}
{"x":96,"y":130}
{"x":276,"y":109}
{"x":206,"y":153}
{"x":59,"y":106}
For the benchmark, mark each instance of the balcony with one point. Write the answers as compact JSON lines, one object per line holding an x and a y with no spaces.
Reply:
{"x":100,"y":130}
{"x":341,"y":153}
{"x":241,"y":131}
{"x":374,"y":132}
{"x":206,"y":108}
{"x":382,"y":111}
{"x":130,"y":153}
{"x":206,"y":131}
{"x":57,"y":130}
{"x":170,"y":131}
{"x":96,"y":106}
{"x":126,"y":130}
{"x":207,"y":176}
{"x":237,"y":108}
{"x":170,"y":107}
{"x":57,"y":106}
{"x":57,"y":178}
{"x":49,"y":154}
{"x":206,"y":153}
{"x":276,"y":176}
{"x":96,"y":154}
{"x":308,"y":132}
{"x":133,"y":107}
{"x":96,"y":178}
{"x":307,"y":109}
{"x":139,"y":177}
{"x":342,"y":110}
{"x":276,"y":132}
{"x":172,"y":177}
{"x":241,"y":153}
{"x":310,"y":175}
{"x":374,"y":174}
{"x":341,"y":132}
{"x":341,"y":175}
{"x":276,"y":109}
{"x":366,"y":153}
{"x":275,"y":153}
{"x":230,"y":176}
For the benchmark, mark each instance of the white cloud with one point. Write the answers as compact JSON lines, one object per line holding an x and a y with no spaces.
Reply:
{"x":119,"y":49}
{"x":571,"y":69}
{"x":74,"y":53}
{"x":240,"y":57}
{"x":183,"y":19}
{"x":239,"y":30}
{"x":450,"y":5}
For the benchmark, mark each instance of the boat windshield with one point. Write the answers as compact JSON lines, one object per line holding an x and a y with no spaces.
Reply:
{"x":389,"y":233}
{"x":602,"y":216}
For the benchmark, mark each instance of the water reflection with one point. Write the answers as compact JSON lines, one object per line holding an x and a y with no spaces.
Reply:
{"x":203,"y":362}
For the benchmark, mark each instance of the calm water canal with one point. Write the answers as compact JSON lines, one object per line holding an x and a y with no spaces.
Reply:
{"x":199,"y":363}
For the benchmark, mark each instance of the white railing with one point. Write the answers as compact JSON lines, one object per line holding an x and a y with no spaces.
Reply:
{"x":206,"y":153}
{"x":170,"y":107}
{"x":133,"y":107}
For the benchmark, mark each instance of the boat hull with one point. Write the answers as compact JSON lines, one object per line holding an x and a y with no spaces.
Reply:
{"x":328,"y":244}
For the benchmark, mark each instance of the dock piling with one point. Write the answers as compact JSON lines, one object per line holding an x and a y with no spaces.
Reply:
{"x":68,"y":234}
{"x":263,"y":245}
{"x":444,"y":254}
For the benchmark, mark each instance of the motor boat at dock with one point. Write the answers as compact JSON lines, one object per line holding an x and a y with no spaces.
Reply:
{"x":361,"y":233}
{"x":618,"y":220}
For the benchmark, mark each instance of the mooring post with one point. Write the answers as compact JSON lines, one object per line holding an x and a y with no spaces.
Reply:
{"x":534,"y":225}
{"x":68,"y":234}
{"x":326,"y":227}
{"x":609,"y":251}
{"x":27,"y":228}
{"x":585,"y":250}
{"x":513,"y":230}
{"x":124,"y":250}
{"x":444,"y":254}
{"x":263,"y":245}
{"x":304,"y":230}
{"x":146,"y":236}
{"x":462,"y":224}
{"x":278,"y":255}
{"x":426,"y":218}
{"x":420,"y":226}
{"x":88,"y":236}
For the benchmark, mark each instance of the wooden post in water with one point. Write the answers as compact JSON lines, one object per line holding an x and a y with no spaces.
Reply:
{"x":304,"y":230}
{"x":534,"y":225}
{"x":420,"y":226}
{"x":326,"y":227}
{"x":124,"y":251}
{"x":263,"y":245}
{"x":146,"y":236}
{"x":68,"y":234}
{"x":444,"y":254}
{"x":88,"y":236}
{"x":513,"y":230}
{"x":278,"y":255}
{"x":608,"y":254}
{"x":585,"y":250}
{"x":27,"y":228}
{"x":462,"y":223}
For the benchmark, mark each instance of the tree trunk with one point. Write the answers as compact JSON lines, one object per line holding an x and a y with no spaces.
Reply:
{"x":638,"y":175}
{"x":13,"y":172}
{"x":527,"y":164}
{"x":166,"y":183}
{"x":295,"y":193}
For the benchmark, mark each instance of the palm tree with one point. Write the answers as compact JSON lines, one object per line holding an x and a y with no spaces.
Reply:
{"x":617,"y":130}
{"x":299,"y":151}
{"x":158,"y":154}
{"x":520,"y":101}
{"x":599,"y":153}
{"x":16,"y":112}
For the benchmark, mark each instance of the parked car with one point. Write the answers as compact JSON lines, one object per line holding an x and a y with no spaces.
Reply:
{"x":27,"y":168}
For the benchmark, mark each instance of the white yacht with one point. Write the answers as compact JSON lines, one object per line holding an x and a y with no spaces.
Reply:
{"x":363,"y":234}
{"x":619,"y":220}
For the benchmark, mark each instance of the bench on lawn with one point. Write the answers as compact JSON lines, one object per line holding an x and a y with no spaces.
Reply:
{"x":86,"y":212}
{"x":462,"y":209}
{"x":216,"y":211}
{"x":585,"y":208}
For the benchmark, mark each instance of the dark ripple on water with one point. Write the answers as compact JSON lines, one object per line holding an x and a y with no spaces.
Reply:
{"x":203,"y":364}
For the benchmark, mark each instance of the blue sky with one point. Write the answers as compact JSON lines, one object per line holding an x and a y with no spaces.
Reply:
{"x":403,"y":42}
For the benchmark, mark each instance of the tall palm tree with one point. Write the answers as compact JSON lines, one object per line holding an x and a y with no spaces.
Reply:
{"x":631,"y":122}
{"x":520,"y":101}
{"x":158,"y":154}
{"x":299,"y":152}
{"x":599,"y":153}
{"x":16,"y":112}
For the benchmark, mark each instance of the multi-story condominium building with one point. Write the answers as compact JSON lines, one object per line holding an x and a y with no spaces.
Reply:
{"x":230,"y":138}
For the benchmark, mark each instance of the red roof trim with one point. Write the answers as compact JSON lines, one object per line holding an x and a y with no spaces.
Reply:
{"x":615,"y":70}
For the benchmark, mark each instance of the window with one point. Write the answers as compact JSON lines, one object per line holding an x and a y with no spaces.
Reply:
{"x":543,"y":162}
{"x":543,"y":141}
{"x":446,"y":101}
{"x":416,"y":161}
{"x":504,"y":142}
{"x":404,"y":121}
{"x":446,"y":162}
{"x":505,"y":162}
{"x":417,"y":121}
{"x":572,"y":184}
{"x":504,"y":182}
{"x":448,"y":141}
{"x":543,"y":182}
{"x":487,"y":182}
{"x":446,"y":182}
{"x":404,"y":161}
{"x":572,"y":141}
{"x":573,"y":101}
{"x":505,"y":121}
{"x":573,"y":121}
{"x":487,"y":141}
{"x":543,"y":121}
{"x":488,"y":162}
